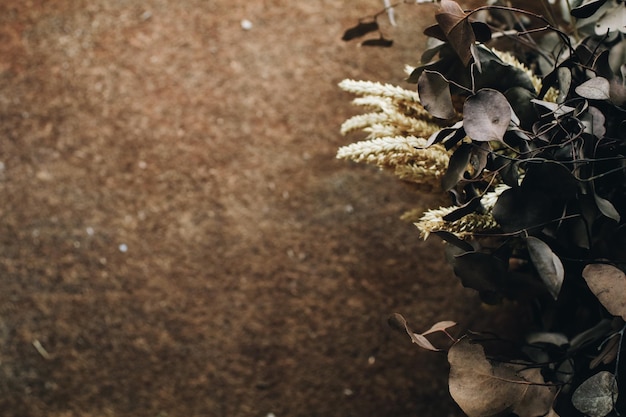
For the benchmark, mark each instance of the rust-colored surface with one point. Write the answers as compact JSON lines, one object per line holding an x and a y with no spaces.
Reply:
{"x":177,"y":238}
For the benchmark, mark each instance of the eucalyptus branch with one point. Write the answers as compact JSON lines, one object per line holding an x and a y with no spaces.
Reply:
{"x":549,"y":25}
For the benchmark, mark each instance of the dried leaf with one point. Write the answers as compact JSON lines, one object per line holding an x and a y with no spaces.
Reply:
{"x":476,"y":386}
{"x":422,"y":342}
{"x":455,"y":25}
{"x":597,"y":88}
{"x":481,"y":388}
{"x":486,"y":115}
{"x":596,"y":396}
{"x":440,"y":326}
{"x":398,"y":322}
{"x":538,"y":398}
{"x":608,"y":283}
{"x":548,"y":265}
{"x":435,"y":31}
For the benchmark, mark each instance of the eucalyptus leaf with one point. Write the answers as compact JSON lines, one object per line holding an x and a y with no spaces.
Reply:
{"x":435,"y":31}
{"x":452,"y":239}
{"x":477,"y":386}
{"x":457,"y":28}
{"x":520,"y":100}
{"x":597,"y":395}
{"x":547,"y":263}
{"x":481,"y":31}
{"x":565,"y":82}
{"x":486,"y":115}
{"x":482,"y":388}
{"x":445,"y":134}
{"x":459,"y":162}
{"x":397,"y":321}
{"x":435,"y":94}
{"x":587,"y":8}
{"x":552,"y":178}
{"x":594,"y":121}
{"x":464,"y":210}
{"x":522,"y":209}
{"x":606,"y":207}
{"x":597,"y":88}
{"x":440,"y":327}
{"x":608,"y":284}
{"x":480,"y":271}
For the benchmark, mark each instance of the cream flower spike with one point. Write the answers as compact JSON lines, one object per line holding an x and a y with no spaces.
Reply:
{"x":405,"y":156}
{"x":373,"y":88}
{"x":432,"y":220}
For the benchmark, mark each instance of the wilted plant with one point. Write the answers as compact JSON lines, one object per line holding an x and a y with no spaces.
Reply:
{"x":522,"y":122}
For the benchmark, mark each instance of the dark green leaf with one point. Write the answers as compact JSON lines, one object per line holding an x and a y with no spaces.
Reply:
{"x":508,"y":169}
{"x":452,"y":239}
{"x":481,"y":31}
{"x":497,"y":75}
{"x":430,"y":53}
{"x":464,"y":210}
{"x":587,"y":9}
{"x":451,"y":141}
{"x":551,"y":178}
{"x":547,"y":264}
{"x":520,"y":209}
{"x":457,"y":166}
{"x":435,"y":95}
{"x":520,"y":100}
{"x":480,"y":271}
{"x":606,"y":208}
{"x":478,"y":161}
{"x":445,"y":134}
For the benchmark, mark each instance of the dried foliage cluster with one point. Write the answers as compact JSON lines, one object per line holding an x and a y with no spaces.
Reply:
{"x":520,"y":119}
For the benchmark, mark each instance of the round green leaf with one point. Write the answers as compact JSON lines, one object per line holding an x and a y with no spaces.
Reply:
{"x":486,"y":115}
